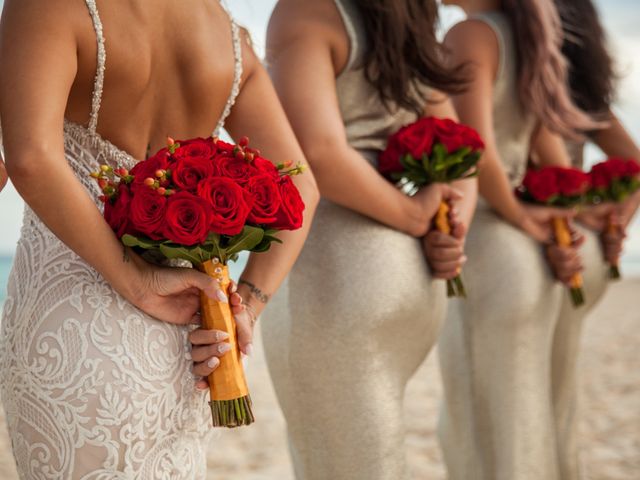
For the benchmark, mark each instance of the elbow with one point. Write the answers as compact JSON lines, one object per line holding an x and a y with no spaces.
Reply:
{"x":25,"y":164}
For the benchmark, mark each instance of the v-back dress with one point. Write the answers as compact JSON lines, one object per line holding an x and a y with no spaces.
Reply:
{"x":357,"y":316}
{"x":94,"y":388}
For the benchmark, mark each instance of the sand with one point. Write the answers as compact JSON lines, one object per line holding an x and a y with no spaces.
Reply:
{"x":610,"y":410}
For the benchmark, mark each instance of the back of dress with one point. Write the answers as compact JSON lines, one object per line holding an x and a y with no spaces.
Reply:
{"x":92,"y":386}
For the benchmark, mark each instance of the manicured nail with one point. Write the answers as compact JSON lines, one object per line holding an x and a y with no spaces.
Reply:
{"x":221,"y":296}
{"x":221,"y":336}
{"x":234,"y":288}
{"x":249,"y":349}
{"x":224,"y":348}
{"x":213,"y":362}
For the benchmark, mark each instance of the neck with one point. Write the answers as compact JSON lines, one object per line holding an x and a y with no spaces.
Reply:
{"x":477,"y":6}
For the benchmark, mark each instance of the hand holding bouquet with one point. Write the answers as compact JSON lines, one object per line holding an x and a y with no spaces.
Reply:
{"x":428,"y":151}
{"x":205,"y":201}
{"x":614,"y":180}
{"x":563,"y":188}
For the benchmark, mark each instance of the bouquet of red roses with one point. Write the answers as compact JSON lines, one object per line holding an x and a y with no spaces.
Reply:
{"x":614,"y":181}
{"x":433,"y":150}
{"x":205,"y":201}
{"x":564,"y":188}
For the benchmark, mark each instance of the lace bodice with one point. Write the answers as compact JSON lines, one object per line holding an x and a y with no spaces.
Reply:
{"x":92,"y":387}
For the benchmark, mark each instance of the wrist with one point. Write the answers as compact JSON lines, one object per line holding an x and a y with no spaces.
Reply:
{"x":417,"y":220}
{"x":252,"y":296}
{"x":130,"y":277}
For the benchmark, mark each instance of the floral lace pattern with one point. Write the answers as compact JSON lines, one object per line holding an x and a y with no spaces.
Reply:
{"x":93,"y":388}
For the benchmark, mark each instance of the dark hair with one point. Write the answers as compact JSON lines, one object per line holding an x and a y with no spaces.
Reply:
{"x":542,"y":69}
{"x":591,"y":69}
{"x":404,"y":53}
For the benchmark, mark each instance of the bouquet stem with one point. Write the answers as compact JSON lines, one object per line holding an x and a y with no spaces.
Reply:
{"x":230,"y":401}
{"x":614,"y":268}
{"x":455,"y":286}
{"x":563,"y":239}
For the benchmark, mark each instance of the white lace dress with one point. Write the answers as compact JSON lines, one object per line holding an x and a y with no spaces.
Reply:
{"x":92,"y":387}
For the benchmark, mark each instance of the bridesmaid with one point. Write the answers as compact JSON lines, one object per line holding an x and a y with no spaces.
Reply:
{"x":361,"y":311}
{"x":496,"y":349}
{"x":591,"y":79}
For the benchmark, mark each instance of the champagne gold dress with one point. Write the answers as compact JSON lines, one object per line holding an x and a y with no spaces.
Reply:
{"x":358,"y":315}
{"x":508,"y":352}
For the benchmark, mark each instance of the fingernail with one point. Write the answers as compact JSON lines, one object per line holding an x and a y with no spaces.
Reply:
{"x":221,"y":296}
{"x":234,"y":288}
{"x":464,"y":258}
{"x":224,"y":348}
{"x":221,"y":336}
{"x":249,"y":349}
{"x":213,"y":362}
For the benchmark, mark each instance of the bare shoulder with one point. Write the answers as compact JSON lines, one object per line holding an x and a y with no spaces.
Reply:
{"x":474,"y":41}
{"x":301,"y":21}
{"x":47,"y":15}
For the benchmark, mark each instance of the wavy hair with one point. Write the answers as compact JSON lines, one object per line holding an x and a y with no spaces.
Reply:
{"x":592,"y":76}
{"x":542,"y":69}
{"x":404,"y":53}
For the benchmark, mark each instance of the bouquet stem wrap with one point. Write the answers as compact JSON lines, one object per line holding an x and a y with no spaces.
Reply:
{"x":455,"y":287}
{"x":230,"y":400}
{"x":614,"y":268}
{"x":563,"y":239}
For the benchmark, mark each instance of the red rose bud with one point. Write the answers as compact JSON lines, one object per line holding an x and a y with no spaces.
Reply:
{"x":161,"y":190}
{"x":149,"y":182}
{"x":244,"y":141}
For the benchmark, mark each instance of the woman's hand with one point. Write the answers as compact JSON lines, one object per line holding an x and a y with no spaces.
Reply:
{"x":445,"y":253}
{"x":613,"y":242}
{"x":207,"y":346}
{"x":427,"y":201}
{"x":3,"y":175}
{"x":597,"y":217}
{"x":172,"y":294}
{"x":628,"y":209}
{"x":565,"y":262}
{"x":536,"y":221}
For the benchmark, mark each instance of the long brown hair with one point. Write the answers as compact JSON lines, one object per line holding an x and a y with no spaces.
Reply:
{"x":403,"y":52}
{"x":542,"y":69}
{"x":592,"y":76}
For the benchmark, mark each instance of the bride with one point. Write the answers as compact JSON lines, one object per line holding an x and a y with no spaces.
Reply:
{"x":97,"y":377}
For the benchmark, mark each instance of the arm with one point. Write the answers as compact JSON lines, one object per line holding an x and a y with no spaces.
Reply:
{"x":32,"y":113}
{"x":305,"y":55}
{"x":474,"y":43}
{"x":276,"y":140}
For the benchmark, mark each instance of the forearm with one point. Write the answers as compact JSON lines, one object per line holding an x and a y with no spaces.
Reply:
{"x":495,"y":188}
{"x":467,"y":206}
{"x":352,"y":182}
{"x":615,"y":141}
{"x":53,"y":192}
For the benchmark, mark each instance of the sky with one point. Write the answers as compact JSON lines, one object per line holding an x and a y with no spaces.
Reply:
{"x":621,"y":19}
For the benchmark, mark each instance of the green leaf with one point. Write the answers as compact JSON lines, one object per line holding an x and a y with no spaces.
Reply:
{"x":194,"y":255}
{"x":246,"y":240}
{"x":140,"y":242}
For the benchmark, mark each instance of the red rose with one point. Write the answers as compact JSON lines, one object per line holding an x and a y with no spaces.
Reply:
{"x":224,"y":147}
{"x":148,"y":211}
{"x":187,"y":219}
{"x":450,"y":134}
{"x":231,"y":204}
{"x":116,"y":211}
{"x":234,"y":168}
{"x":290,"y":215}
{"x":600,"y":176}
{"x":633,"y":168}
{"x":202,"y":149}
{"x":571,"y":182}
{"x":148,"y":168}
{"x":266,"y":195}
{"x":541,"y":184}
{"x":415,"y":139}
{"x":263,"y":165}
{"x":472,"y":139}
{"x":187,"y":172}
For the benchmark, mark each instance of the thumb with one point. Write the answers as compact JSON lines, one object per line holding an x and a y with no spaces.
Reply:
{"x":451,"y":194}
{"x":201,"y":281}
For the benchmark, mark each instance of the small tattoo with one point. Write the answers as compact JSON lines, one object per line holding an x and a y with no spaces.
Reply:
{"x":255,"y":291}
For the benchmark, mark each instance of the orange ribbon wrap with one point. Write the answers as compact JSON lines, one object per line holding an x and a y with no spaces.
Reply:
{"x":563,"y":239}
{"x":613,"y":229}
{"x":455,"y":286}
{"x":227,"y":382}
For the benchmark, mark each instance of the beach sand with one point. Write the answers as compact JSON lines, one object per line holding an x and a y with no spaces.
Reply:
{"x":610,"y":409}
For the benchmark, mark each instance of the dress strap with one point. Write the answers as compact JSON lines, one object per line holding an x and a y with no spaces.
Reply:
{"x":352,"y":21}
{"x":98,"y":84}
{"x":237,"y":74}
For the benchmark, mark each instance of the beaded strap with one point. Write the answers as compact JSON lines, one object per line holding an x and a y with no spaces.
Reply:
{"x":237,"y":75}
{"x":98,"y":84}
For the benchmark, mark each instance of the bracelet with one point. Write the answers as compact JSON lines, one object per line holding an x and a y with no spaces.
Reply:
{"x":255,"y":291}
